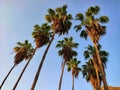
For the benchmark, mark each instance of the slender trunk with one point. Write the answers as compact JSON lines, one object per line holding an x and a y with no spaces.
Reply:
{"x":73,"y":82}
{"x":61,"y":76}
{"x":97,"y":74}
{"x":7,"y":76}
{"x":24,"y":70}
{"x":101,"y":68}
{"x":41,"y":64}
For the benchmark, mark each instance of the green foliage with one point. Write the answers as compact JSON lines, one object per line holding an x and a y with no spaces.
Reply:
{"x":51,"y":12}
{"x":43,"y":29}
{"x":104,"y":19}
{"x":66,"y":50}
{"x":73,"y":65}
{"x":86,"y":54}
{"x":23,"y":51}
{"x":90,"y":53}
{"x":83,"y":34}
{"x":67,"y":42}
{"x":74,"y":53}
{"x":89,"y":23}
{"x":77,"y":27}
{"x":25,"y":45}
{"x":79,"y":16}
{"x":88,"y":71}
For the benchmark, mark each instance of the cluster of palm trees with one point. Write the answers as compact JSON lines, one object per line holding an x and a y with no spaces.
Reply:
{"x":59,"y":22}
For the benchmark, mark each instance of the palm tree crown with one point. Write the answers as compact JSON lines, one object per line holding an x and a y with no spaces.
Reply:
{"x":67,"y":52}
{"x":60,"y":19}
{"x":73,"y":65}
{"x":89,"y":73}
{"x":92,"y":66}
{"x":41,"y":34}
{"x":23,"y":51}
{"x":91,"y":23}
{"x":90,"y":53}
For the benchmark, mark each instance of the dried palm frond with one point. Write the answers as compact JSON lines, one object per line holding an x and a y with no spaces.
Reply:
{"x":67,"y":51}
{"x":20,"y":55}
{"x":16,"y":49}
{"x":41,"y":40}
{"x":93,"y":81}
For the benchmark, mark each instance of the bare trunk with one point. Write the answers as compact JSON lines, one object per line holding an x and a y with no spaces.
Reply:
{"x":101,"y":68}
{"x":7,"y":76}
{"x":41,"y":64}
{"x":24,"y":70}
{"x":61,"y":76}
{"x":97,"y":74}
{"x":73,"y":82}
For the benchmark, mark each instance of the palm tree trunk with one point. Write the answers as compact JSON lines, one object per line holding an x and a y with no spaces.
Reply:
{"x":7,"y":76}
{"x":101,"y":68}
{"x":41,"y":64}
{"x":61,"y":76}
{"x":73,"y":82}
{"x":97,"y":74}
{"x":24,"y":70}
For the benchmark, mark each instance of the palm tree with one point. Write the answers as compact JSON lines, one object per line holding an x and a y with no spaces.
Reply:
{"x":94,"y":29}
{"x":66,"y":52}
{"x":60,"y":24}
{"x":41,"y":34}
{"x":89,"y":73}
{"x":73,"y":65}
{"x":90,"y":54}
{"x":23,"y":51}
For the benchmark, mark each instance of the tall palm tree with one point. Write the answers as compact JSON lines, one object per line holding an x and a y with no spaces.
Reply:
{"x":66,"y":52}
{"x":60,"y":24}
{"x":41,"y":34}
{"x":90,"y":54}
{"x":23,"y":51}
{"x":73,"y":65}
{"x":94,"y":29}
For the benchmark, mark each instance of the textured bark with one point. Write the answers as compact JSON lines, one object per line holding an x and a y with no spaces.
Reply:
{"x":97,"y":75}
{"x":101,"y":68}
{"x":93,"y":82}
{"x":61,"y":76}
{"x":41,"y":64}
{"x":95,"y":41}
{"x":73,"y":82}
{"x":24,"y":70}
{"x":7,"y":76}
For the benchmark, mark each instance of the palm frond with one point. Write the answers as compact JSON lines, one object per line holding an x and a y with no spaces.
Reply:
{"x":51,"y":12}
{"x":86,"y":54}
{"x":79,"y":16}
{"x":104,"y":19}
{"x":83,"y":34}
{"x":59,"y":45}
{"x":48,"y":18}
{"x":104,"y":53}
{"x":74,"y":53}
{"x":78,"y":28}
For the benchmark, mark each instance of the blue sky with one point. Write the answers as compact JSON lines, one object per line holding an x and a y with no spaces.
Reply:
{"x":17,"y":18}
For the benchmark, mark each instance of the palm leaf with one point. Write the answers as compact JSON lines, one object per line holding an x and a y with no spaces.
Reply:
{"x":104,"y":19}
{"x":58,"y":45}
{"x":79,"y":16}
{"x":74,"y":53}
{"x":51,"y":12}
{"x":86,"y":54}
{"x":83,"y":34}
{"x":78,"y":28}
